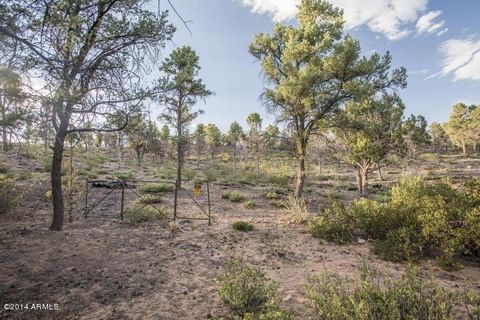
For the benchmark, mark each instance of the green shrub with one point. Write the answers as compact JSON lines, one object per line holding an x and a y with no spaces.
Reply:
{"x":124,"y":175}
{"x":249,"y":204}
{"x":149,"y":199}
{"x":272,"y":195}
{"x":278,"y":203}
{"x":246,"y":290}
{"x":8,"y":194}
{"x":142,"y":213}
{"x":167,"y":171}
{"x":157,"y":188}
{"x":242,"y":226}
{"x":333,"y":224}
{"x":368,"y":297}
{"x":417,"y":220}
{"x":233,"y":196}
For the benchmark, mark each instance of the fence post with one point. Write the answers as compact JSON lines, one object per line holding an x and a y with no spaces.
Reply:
{"x":208,"y":204}
{"x":86,"y":198}
{"x":122,"y":201}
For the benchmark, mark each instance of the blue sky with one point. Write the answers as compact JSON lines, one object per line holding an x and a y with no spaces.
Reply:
{"x":438,"y":41}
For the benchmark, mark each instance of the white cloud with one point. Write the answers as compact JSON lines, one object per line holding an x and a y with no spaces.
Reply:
{"x":389,"y":17}
{"x":426,"y":23}
{"x":280,"y":10}
{"x":462,"y":58}
{"x":442,"y":32}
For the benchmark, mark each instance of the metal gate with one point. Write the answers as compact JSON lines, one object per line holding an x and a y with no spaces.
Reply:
{"x":130,"y":186}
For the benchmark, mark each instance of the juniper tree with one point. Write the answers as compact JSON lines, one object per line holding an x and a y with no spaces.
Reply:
{"x":312,"y":69}
{"x":367,"y":132}
{"x":439,"y":136}
{"x":213,"y":139}
{"x":457,"y":127}
{"x":415,"y":131}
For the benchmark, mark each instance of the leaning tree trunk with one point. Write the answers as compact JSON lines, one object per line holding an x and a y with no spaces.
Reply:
{"x":56,"y":179}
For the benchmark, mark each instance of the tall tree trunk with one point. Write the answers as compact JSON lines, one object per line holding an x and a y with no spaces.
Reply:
{"x":4,"y":129}
{"x":301,"y":152}
{"x":300,"y":178}
{"x":464,"y":149}
{"x":70,"y":184}
{"x":56,"y":179}
{"x":179,"y":153}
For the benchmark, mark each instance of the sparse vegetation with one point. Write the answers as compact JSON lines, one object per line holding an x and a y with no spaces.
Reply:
{"x":157,"y":188}
{"x":249,"y":294}
{"x":417,"y":220}
{"x":100,"y":124}
{"x":233,"y":196}
{"x":144,"y":213}
{"x":8,"y":194}
{"x":372,"y":297}
{"x":242,"y":226}
{"x":249,"y":204}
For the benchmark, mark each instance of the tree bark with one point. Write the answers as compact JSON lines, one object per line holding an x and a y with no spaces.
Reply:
{"x":365,"y":182}
{"x":70,"y":184}
{"x":56,"y":179}
{"x":359,"y":182}
{"x":300,"y":178}
{"x":4,"y":129}
{"x":179,"y":153}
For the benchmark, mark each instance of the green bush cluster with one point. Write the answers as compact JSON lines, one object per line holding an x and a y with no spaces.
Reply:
{"x":275,"y":194}
{"x":367,"y":297}
{"x":416,"y":220}
{"x":233,"y":196}
{"x":249,"y":294}
{"x":157,"y":188}
{"x":124,"y":175}
{"x":242,"y":226}
{"x":8,"y":194}
{"x":142,"y":213}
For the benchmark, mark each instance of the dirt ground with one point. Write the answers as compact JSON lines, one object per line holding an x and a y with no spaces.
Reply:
{"x":104,"y":268}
